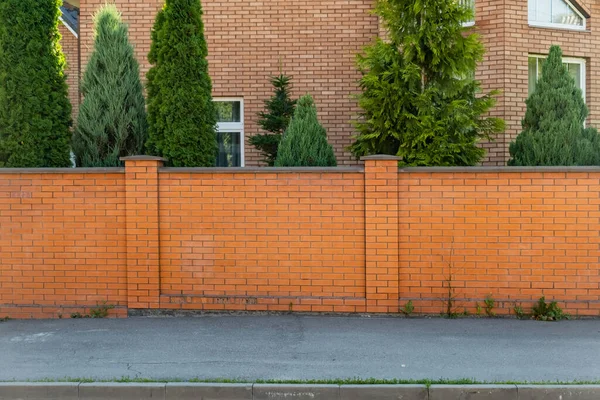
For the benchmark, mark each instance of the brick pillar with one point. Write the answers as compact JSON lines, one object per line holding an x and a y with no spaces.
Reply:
{"x":143,"y":269}
{"x":382,"y":226}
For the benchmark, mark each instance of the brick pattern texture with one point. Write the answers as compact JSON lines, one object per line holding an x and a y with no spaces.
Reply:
{"x":514,"y":235}
{"x":62,"y":243}
{"x":326,"y":240}
{"x":278,"y":238}
{"x":70,"y":47}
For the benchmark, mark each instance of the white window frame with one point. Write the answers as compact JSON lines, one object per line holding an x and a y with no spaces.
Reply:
{"x":560,"y":26}
{"x":469,"y":23}
{"x":566,"y":60}
{"x":234,"y":126}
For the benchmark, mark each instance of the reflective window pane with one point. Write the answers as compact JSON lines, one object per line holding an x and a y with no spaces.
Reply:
{"x":469,"y":4}
{"x":228,"y":111}
{"x":533,"y":77}
{"x":554,"y":12}
{"x":230,"y":154}
{"x":575,"y":71}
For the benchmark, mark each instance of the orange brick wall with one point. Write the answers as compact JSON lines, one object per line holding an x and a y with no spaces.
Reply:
{"x":70,"y":47}
{"x":314,"y":41}
{"x":514,"y":235}
{"x":319,"y":240}
{"x":272,"y":238}
{"x":62,"y":243}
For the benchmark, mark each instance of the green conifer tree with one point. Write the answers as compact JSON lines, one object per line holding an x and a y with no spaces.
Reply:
{"x":553,"y":127}
{"x":304,"y":143}
{"x":419,"y":98}
{"x":112,"y":118}
{"x":181,"y":115}
{"x":279,"y":111}
{"x":35,"y":113}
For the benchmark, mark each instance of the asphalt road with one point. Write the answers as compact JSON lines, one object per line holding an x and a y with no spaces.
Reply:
{"x":300,"y":347}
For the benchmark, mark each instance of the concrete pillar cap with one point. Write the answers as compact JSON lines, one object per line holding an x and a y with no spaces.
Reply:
{"x":142,"y":158}
{"x":381,"y":157}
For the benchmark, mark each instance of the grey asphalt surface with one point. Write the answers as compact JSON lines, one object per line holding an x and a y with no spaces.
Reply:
{"x":300,"y":347}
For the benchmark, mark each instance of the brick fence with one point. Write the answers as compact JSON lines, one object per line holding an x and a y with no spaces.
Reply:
{"x":321,"y":240}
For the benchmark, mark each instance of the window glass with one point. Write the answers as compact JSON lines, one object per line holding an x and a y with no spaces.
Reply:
{"x":230,"y":132}
{"x":558,"y":13}
{"x":575,"y":71}
{"x":228,"y":111}
{"x":229,"y":149}
{"x":533,"y":73}
{"x":469,"y":4}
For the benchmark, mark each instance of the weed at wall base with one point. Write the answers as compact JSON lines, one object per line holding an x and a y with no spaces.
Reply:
{"x":100,"y":312}
{"x":519,"y":312}
{"x":408,"y":308}
{"x":543,"y":311}
{"x":490,"y":303}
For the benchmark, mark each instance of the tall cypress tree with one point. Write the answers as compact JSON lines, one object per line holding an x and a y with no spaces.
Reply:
{"x":553,"y":127}
{"x":35,"y":113}
{"x":112,"y":118}
{"x":181,"y":115}
{"x":419,"y":98}
{"x":304,"y":143}
{"x":275,"y":119}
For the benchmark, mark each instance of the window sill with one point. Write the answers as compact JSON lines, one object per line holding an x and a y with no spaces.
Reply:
{"x":559,"y":27}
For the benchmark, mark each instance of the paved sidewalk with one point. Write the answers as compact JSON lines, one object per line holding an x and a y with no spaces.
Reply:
{"x":300,"y":347}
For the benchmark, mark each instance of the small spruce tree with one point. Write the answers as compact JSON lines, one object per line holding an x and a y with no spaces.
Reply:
{"x":304,"y":143}
{"x":112,"y":118}
{"x":181,"y":114}
{"x":553,"y":127}
{"x":35,"y":113}
{"x":419,"y":98}
{"x":279,"y":111}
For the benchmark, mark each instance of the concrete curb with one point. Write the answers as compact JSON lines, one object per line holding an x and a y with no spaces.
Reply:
{"x":249,"y":391}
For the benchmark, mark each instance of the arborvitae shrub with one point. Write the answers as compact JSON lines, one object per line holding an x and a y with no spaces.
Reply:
{"x":304,"y":143}
{"x":35,"y":113}
{"x":112,"y":118}
{"x":181,"y":115}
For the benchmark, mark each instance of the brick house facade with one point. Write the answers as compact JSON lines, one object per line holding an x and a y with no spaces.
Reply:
{"x":316,"y":42}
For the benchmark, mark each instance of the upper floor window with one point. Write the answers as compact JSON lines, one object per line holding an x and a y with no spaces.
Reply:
{"x":555,"y":14}
{"x":469,"y":4}
{"x":230,"y":132}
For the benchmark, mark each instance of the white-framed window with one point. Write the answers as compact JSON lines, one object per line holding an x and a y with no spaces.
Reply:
{"x":230,"y":131}
{"x":468,"y":4}
{"x":561,"y":14}
{"x":575,"y":66}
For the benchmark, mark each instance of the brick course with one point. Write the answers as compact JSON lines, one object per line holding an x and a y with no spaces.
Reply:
{"x":320,"y":240}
